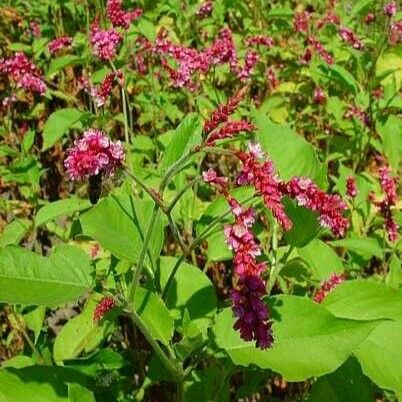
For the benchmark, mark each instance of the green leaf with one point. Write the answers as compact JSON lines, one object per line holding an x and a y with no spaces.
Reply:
{"x":186,"y":135}
{"x":290,"y":152}
{"x":217,"y":249}
{"x":61,"y":207}
{"x":123,"y":231}
{"x":38,"y":383}
{"x":346,"y":384}
{"x":366,"y":248}
{"x":76,"y":393}
{"x":59,"y":63}
{"x":309,"y":341}
{"x":14,"y":232}
{"x":380,"y":356}
{"x":27,"y":278}
{"x":305,"y":224}
{"x":154,"y":314}
{"x":191,"y":291}
{"x":321,"y":259}
{"x":80,"y":334}
{"x":339,"y":74}
{"x":362,"y":299}
{"x":391,"y":134}
{"x":58,"y":124}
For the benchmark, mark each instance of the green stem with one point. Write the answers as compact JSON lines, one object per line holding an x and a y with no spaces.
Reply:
{"x":141,"y":258}
{"x":276,"y":269}
{"x":180,"y":194}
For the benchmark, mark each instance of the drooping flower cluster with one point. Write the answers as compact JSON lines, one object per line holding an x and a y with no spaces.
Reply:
{"x":351,"y":187}
{"x":357,"y":113}
{"x":330,"y":207}
{"x":262,"y":175}
{"x":104,"y":306}
{"x":205,"y":9}
{"x":348,"y":36}
{"x":272,"y":79}
{"x":22,"y":71}
{"x":102,"y":92}
{"x":319,"y":48}
{"x":93,"y":154}
{"x":104,"y":42}
{"x":59,"y":43}
{"x":230,"y":129}
{"x":120,"y":17}
{"x":390,"y":8}
{"x":301,"y":22}
{"x":252,"y":316}
{"x":319,"y":96}
{"x":389,"y":188}
{"x":250,"y":62}
{"x":328,"y":285}
{"x":260,"y":40}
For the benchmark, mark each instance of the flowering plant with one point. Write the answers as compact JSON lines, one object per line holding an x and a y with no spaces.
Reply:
{"x":200,"y":201}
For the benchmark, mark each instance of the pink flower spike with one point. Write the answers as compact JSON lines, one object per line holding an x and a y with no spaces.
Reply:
{"x":103,"y":307}
{"x":93,"y":154}
{"x":104,"y":43}
{"x":351,"y":187}
{"x":327,"y":286}
{"x":205,"y":9}
{"x":319,"y":96}
{"x":120,"y":17}
{"x":59,"y":43}
{"x":390,"y":8}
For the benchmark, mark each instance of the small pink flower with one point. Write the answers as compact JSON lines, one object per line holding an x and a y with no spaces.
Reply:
{"x":351,"y":187}
{"x":369,"y":18}
{"x":327,"y":286}
{"x":350,"y":37}
{"x":250,"y":62}
{"x":230,"y":129}
{"x":205,"y":9}
{"x":390,"y":8}
{"x":60,"y":43}
{"x":300,"y":22}
{"x":104,"y":42}
{"x":357,"y":113}
{"x":320,"y":49}
{"x":395,"y":35}
{"x":102,"y":92}
{"x":120,"y":17}
{"x":93,"y":154}
{"x":260,"y":40}
{"x":103,"y":307}
{"x":319,"y":96}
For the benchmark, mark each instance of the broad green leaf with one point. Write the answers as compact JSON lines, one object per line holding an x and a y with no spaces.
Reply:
{"x":321,"y":259}
{"x":391,"y":62}
{"x":191,"y":290}
{"x":346,"y":384}
{"x":58,"y":124}
{"x":363,"y":299}
{"x":38,"y":383}
{"x":77,"y":393}
{"x":391,"y":134}
{"x":28,"y":278}
{"x":308,"y":340}
{"x":366,"y":248}
{"x":380,"y":356}
{"x":290,"y":152}
{"x":34,"y":320}
{"x":305,"y":224}
{"x":123,"y":231}
{"x":58,"y":208}
{"x":339,"y":74}
{"x":19,"y":361}
{"x":218,"y":249}
{"x":186,"y":135}
{"x":14,"y":232}
{"x":155,"y":315}
{"x":80,"y":334}
{"x":59,"y":63}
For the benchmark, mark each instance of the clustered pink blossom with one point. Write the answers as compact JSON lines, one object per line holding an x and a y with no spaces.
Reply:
{"x":252,"y":315}
{"x":60,"y":43}
{"x":222,"y":112}
{"x":319,"y":48}
{"x":205,"y":9}
{"x":301,"y":21}
{"x":369,"y":18}
{"x":93,"y":154}
{"x":230,"y":129}
{"x":351,"y":187}
{"x":104,"y":42}
{"x":250,"y":62}
{"x":272,"y":79}
{"x":104,"y":306}
{"x":319,"y":96}
{"x":328,"y":285}
{"x":395,"y":35}
{"x":102,"y":92}
{"x":330,"y":207}
{"x":35,"y":29}
{"x":351,"y":38}
{"x":21,"y":70}
{"x":261,"y":40}
{"x":378,"y":92}
{"x":357,"y":113}
{"x":329,"y":18}
{"x":390,"y":8}
{"x":120,"y":17}
{"x":262,"y":175}
{"x":388,"y":186}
